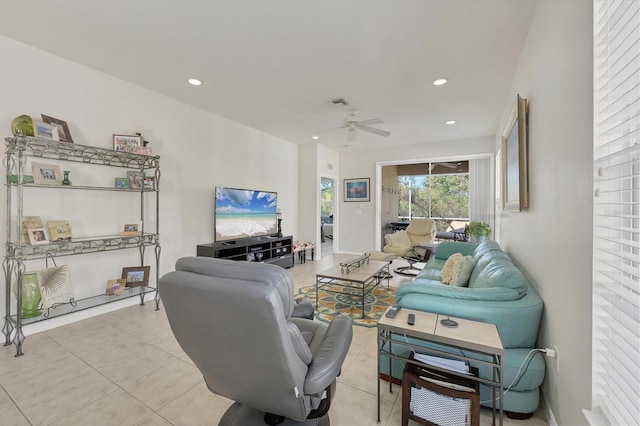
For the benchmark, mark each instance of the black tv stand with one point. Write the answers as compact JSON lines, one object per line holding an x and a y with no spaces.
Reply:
{"x":275,"y":250}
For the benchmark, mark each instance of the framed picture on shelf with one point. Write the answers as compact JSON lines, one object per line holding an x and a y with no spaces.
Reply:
{"x":46,"y":174}
{"x":115,"y":287}
{"x":45,"y":130}
{"x":59,"y":230}
{"x":122,"y":183}
{"x":37,"y":236}
{"x":136,"y":179}
{"x":131,"y":229}
{"x":127,"y":143}
{"x":149,"y":183}
{"x":63,"y":129}
{"x":136,"y":276}
{"x":30,"y":222}
{"x":356,"y":189}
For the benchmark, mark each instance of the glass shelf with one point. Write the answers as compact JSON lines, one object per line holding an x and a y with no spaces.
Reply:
{"x":47,"y":148}
{"x":80,"y":246}
{"x":82,"y":304}
{"x":89,"y":188}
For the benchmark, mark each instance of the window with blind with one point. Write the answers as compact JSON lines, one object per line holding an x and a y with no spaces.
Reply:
{"x":616,"y":233}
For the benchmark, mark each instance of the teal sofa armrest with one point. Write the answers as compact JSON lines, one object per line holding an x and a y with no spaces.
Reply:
{"x":423,"y":286}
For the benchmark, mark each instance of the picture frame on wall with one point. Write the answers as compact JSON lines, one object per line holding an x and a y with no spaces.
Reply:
{"x":46,"y":174}
{"x":45,"y":130}
{"x":136,"y":276}
{"x":357,"y":189}
{"x":515,"y":185}
{"x":127,"y":143}
{"x":64,"y":135}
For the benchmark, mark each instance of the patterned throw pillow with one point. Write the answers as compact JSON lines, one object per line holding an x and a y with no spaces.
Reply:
{"x":447,"y":269}
{"x":462,"y":271}
{"x":457,"y":270}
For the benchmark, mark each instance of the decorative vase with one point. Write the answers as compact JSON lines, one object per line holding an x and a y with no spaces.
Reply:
{"x":22,"y":125}
{"x":65,"y":180}
{"x":31,"y":296}
{"x":279,"y":228}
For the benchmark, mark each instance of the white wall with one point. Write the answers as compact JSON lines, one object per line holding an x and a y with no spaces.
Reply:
{"x":198,"y":151}
{"x":357,"y":220}
{"x":552,"y":240}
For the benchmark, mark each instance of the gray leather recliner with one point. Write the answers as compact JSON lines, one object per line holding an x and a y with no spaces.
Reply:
{"x":233,"y":319}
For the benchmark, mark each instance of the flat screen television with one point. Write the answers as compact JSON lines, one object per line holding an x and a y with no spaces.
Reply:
{"x":244,"y":213}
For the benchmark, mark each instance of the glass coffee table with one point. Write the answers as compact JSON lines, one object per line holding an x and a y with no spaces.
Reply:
{"x":356,"y":278}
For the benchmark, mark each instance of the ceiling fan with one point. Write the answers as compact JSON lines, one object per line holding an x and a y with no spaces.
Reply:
{"x":445,"y":164}
{"x":353,"y":125}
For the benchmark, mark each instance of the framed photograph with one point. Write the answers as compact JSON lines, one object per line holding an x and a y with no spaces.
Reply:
{"x":356,"y":189}
{"x":45,"y":130}
{"x":515,"y":185}
{"x":136,"y":276}
{"x":115,"y":287}
{"x":131,"y":229}
{"x":59,"y":230}
{"x":127,"y":143}
{"x":30,"y":222}
{"x":122,"y":183}
{"x":136,"y":179}
{"x":37,"y":236}
{"x":46,"y":174}
{"x":63,"y":130}
{"x":149,"y":183}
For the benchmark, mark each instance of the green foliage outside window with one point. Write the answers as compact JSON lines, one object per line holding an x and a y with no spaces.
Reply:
{"x":326,"y":198}
{"x":441,"y":197}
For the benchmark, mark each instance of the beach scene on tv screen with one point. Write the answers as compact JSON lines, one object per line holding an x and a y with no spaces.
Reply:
{"x":243,"y":213}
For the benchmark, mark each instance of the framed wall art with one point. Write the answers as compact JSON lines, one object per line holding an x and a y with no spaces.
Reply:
{"x":46,"y":174}
{"x":357,"y":189}
{"x":515,"y":185}
{"x":137,"y":276}
{"x":64,"y":135}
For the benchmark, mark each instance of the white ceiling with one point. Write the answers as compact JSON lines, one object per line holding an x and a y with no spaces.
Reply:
{"x":273,"y":64}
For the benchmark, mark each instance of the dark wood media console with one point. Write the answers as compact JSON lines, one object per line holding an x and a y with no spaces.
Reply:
{"x":276,"y":250}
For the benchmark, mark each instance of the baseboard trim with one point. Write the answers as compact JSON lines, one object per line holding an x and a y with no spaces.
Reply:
{"x":547,"y":409}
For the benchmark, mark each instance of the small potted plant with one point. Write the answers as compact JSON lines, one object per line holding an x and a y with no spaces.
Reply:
{"x":479,"y":231}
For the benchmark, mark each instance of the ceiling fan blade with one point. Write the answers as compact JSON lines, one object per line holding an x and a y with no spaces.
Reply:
{"x":351,"y":134}
{"x":376,"y":131}
{"x":369,"y":122}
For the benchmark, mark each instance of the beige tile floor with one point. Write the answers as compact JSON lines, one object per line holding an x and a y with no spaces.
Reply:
{"x":125,"y":368}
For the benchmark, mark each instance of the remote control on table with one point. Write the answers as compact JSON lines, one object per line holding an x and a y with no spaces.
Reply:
{"x":393,"y":310}
{"x":411,"y":319}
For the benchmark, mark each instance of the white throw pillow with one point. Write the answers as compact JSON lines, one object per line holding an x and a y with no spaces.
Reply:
{"x":447,"y":269}
{"x":462,"y":271}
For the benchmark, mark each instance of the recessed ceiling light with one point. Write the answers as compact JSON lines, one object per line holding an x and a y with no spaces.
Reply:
{"x":315,"y":137}
{"x":194,"y":82}
{"x":450,"y":122}
{"x":440,"y":82}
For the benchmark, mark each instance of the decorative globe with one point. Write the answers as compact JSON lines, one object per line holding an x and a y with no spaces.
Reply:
{"x":22,"y":124}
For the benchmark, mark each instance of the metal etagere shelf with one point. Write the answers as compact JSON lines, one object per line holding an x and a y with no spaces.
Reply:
{"x":18,"y":149}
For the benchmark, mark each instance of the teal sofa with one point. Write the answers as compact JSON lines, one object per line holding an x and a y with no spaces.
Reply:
{"x":497,"y":293}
